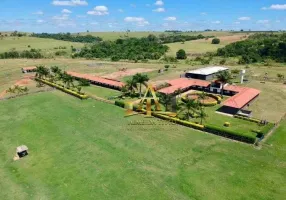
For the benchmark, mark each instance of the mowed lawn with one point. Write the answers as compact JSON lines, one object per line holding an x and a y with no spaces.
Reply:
{"x":88,"y":150}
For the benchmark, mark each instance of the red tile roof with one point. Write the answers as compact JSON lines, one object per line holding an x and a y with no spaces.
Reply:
{"x":97,"y":79}
{"x":243,"y":97}
{"x":183,"y":83}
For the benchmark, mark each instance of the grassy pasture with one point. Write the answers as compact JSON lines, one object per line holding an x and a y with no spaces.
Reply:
{"x":47,"y":45}
{"x":87,"y":149}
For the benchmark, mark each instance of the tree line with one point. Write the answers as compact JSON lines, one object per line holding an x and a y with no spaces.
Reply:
{"x":129,"y":48}
{"x":180,"y":38}
{"x":68,"y":37}
{"x":257,"y":48}
{"x":32,"y":53}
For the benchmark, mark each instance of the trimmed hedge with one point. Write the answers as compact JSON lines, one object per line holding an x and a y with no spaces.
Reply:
{"x":81,"y":96}
{"x":178,"y":121}
{"x":230,"y":134}
{"x":247,"y":119}
{"x":120,"y":104}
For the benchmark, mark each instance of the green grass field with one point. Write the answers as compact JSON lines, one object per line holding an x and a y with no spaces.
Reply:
{"x":88,"y":150}
{"x":47,"y":45}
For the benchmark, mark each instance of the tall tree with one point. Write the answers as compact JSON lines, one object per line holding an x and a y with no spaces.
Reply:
{"x":141,"y":79}
{"x":224,"y":77}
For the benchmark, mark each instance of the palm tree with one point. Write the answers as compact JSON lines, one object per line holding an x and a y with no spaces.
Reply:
{"x":202,"y":114}
{"x":67,"y":79}
{"x":56,"y":71}
{"x":141,"y":79}
{"x":224,"y":77}
{"x":131,"y":85}
{"x":42,"y":71}
{"x":202,"y":97}
{"x":165,"y":100}
{"x":11,"y":90}
{"x":190,"y":106}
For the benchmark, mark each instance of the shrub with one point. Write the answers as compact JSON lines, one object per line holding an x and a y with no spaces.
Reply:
{"x":115,"y":58}
{"x":181,"y":54}
{"x":60,"y":53}
{"x":222,"y":62}
{"x":120,"y":104}
{"x":215,"y":41}
{"x":227,"y":124}
{"x":83,"y":82}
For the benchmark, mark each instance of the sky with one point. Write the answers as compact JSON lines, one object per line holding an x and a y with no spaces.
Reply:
{"x":141,"y":15}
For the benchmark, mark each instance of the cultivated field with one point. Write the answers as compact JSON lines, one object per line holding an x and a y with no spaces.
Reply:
{"x":87,"y":149}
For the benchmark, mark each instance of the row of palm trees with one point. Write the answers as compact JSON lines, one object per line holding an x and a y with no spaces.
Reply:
{"x":17,"y":89}
{"x":55,"y":74}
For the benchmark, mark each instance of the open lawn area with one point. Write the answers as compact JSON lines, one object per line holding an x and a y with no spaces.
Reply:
{"x":88,"y":150}
{"x":46,"y":45}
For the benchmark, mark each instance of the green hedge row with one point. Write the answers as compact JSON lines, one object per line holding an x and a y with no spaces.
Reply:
{"x":120,"y":104}
{"x":248,"y":119}
{"x":178,"y":121}
{"x":208,"y":128}
{"x":230,"y":134}
{"x":81,"y":96}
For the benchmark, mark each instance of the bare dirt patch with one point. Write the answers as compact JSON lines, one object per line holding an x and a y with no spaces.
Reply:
{"x":23,"y":82}
{"x":126,"y":72}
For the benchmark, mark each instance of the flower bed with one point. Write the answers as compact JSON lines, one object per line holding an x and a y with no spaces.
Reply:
{"x":211,"y":99}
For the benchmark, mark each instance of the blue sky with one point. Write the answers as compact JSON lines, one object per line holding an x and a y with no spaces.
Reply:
{"x":141,"y":15}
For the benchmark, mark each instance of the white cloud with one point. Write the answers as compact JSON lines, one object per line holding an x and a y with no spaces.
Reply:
{"x":66,"y":11}
{"x":159,"y":3}
{"x":133,"y":5}
{"x":81,"y":16}
{"x":216,"y":22}
{"x":204,"y":13}
{"x":99,"y":10}
{"x":275,"y":7}
{"x":40,"y":21}
{"x":139,"y":21}
{"x":171,"y":19}
{"x":94,"y":23}
{"x":236,"y":22}
{"x":244,"y":18}
{"x":159,"y":10}
{"x":61,"y":17}
{"x":38,"y":12}
{"x":70,"y":3}
{"x":263,"y":21}
{"x":120,"y":10}
{"x":277,"y":21}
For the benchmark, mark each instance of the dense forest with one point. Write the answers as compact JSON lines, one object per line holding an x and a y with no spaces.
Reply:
{"x":68,"y":37}
{"x":129,"y":48}
{"x":33,"y":53}
{"x":257,"y":48}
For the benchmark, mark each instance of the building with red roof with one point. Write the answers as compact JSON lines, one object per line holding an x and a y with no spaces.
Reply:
{"x":97,"y":80}
{"x":240,"y":96}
